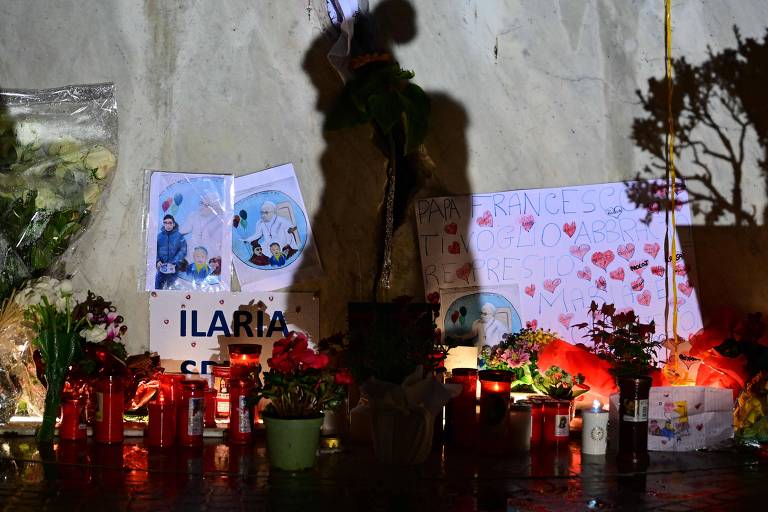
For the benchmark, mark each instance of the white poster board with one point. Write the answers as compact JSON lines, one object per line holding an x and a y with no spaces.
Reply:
{"x":188,"y":329}
{"x":272,"y":243}
{"x":563,"y":247}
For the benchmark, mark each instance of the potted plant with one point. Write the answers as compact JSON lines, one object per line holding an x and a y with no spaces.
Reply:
{"x":518,"y":353}
{"x":393,"y":352}
{"x":299,"y":386}
{"x":620,"y":338}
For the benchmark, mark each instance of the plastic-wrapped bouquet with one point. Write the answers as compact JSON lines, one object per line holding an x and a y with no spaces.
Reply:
{"x":57,"y":149}
{"x":518,"y":353}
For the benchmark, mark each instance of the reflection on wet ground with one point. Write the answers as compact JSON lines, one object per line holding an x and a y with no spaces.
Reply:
{"x":70,"y":476}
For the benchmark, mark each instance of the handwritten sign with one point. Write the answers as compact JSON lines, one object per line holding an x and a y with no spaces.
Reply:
{"x":563,"y":247}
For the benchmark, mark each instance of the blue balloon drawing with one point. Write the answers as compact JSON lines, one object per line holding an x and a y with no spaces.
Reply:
{"x":243,"y":236}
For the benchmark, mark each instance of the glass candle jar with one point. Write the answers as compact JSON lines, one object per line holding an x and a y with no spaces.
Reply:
{"x":244,"y":360}
{"x":594,"y":430}
{"x":170,"y":386}
{"x":221,"y":375}
{"x":494,"y":402}
{"x":556,"y":420}
{"x":461,"y":416}
{"x":72,"y":426}
{"x":189,"y":427}
{"x":108,"y":421}
{"x":161,"y":431}
{"x":537,"y":418}
{"x":633,"y":420}
{"x":519,"y":427}
{"x":240,"y":420}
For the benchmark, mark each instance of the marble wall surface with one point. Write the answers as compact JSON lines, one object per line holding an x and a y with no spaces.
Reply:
{"x":526,"y":93}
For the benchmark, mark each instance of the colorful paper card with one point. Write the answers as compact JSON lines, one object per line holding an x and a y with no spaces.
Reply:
{"x":188,"y":240}
{"x":563,"y":247}
{"x":271,"y":235}
{"x":191,"y":330}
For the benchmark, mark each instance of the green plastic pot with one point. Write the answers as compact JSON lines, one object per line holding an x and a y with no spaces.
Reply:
{"x":292,"y":443}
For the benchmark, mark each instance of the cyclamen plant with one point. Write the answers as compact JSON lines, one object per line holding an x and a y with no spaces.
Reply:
{"x":300,"y":383}
{"x":559,"y":384}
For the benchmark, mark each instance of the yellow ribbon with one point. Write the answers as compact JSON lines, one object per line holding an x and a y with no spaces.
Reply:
{"x":671,"y":169}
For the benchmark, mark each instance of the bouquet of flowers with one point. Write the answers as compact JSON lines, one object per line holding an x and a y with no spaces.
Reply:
{"x":559,"y":384}
{"x":300,"y":383}
{"x":57,"y":149}
{"x":517,"y":353}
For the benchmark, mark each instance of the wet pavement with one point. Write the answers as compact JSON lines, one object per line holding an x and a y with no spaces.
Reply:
{"x":90,"y":477}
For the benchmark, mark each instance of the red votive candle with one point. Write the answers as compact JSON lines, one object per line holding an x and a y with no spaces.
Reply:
{"x":240,"y":421}
{"x":161,"y":431}
{"x":189,"y":426}
{"x":210,"y":407}
{"x":222,"y":395}
{"x":170,"y":386}
{"x":244,"y":360}
{"x":461,"y":416}
{"x":537,"y":417}
{"x":494,"y":401}
{"x":555,"y":423}
{"x":108,"y":422}
{"x":72,"y":426}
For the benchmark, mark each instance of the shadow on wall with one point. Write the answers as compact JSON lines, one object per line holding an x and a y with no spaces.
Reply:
{"x":721,"y":156}
{"x":348,"y":228}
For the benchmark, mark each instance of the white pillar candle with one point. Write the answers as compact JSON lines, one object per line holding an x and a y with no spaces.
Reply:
{"x":594,"y":432}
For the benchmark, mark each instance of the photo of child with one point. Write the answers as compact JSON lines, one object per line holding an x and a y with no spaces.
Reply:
{"x":187,"y":220}
{"x":278,"y":258}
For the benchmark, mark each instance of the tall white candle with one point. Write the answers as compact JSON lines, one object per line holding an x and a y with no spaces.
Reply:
{"x":594,"y":432}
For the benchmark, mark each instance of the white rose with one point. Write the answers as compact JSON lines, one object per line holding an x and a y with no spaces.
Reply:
{"x":94,"y":335}
{"x":65,"y":287}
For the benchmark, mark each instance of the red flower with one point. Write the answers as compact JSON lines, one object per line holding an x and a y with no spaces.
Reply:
{"x":343,"y":377}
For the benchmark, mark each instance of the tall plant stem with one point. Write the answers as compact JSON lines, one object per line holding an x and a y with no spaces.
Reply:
{"x":52,"y":405}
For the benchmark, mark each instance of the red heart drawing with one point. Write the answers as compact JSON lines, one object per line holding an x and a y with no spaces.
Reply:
{"x":652,"y":249}
{"x":626,"y":251}
{"x":680,"y":301}
{"x":699,"y":427}
{"x":663,"y":441}
{"x":697,"y":406}
{"x":565,"y":319}
{"x":638,"y":284}
{"x":551,"y":284}
{"x":189,"y":296}
{"x":533,"y":324}
{"x":681,"y":269}
{"x":271,"y":298}
{"x":585,"y":274}
{"x":602,"y":259}
{"x":527,"y":221}
{"x":600,"y":283}
{"x":463,"y":272}
{"x":569,"y":228}
{"x":194,"y":344}
{"x":530,"y":289}
{"x":454,"y":248}
{"x":166,"y":321}
{"x":638,"y":266}
{"x":617,"y":274}
{"x":486,"y":219}
{"x":644,"y":298}
{"x":433,"y":298}
{"x":657,"y":270}
{"x":221,"y":301}
{"x":154,"y":294}
{"x":686,"y":288}
{"x":451,"y":228}
{"x":454,"y":316}
{"x":578,"y":251}
{"x":183,"y":306}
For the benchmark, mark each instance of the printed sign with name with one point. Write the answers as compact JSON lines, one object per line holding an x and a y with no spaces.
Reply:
{"x":191,"y":331}
{"x":563,"y":247}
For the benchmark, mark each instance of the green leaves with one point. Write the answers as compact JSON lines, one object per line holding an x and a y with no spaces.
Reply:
{"x":385,"y":98}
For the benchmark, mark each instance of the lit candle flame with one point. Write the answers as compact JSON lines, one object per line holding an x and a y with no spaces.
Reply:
{"x":596,"y":405}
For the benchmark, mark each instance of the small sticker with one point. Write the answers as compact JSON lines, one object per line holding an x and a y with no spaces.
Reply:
{"x":195,"y":417}
{"x":561,"y":425}
{"x":635,"y":411}
{"x":243,"y":416}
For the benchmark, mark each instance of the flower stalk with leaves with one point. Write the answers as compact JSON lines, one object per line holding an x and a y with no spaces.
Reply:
{"x":48,"y":307}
